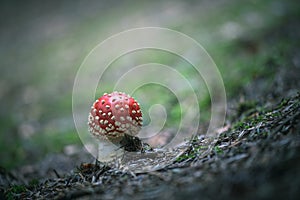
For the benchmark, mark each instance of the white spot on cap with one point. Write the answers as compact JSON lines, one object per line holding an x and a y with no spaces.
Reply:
{"x":129,"y":118}
{"x":118,"y":123}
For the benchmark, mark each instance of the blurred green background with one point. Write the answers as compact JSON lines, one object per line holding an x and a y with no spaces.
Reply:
{"x":42,"y":45}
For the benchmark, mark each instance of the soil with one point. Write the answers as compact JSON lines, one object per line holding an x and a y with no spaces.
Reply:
{"x":257,"y":156}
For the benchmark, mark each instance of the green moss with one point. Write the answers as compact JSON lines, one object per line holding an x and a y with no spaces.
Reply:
{"x":33,"y":183}
{"x":185,"y":157}
{"x":14,"y":192}
{"x":218,"y":150}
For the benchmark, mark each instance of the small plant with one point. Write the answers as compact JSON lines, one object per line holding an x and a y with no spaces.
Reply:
{"x":218,"y":150}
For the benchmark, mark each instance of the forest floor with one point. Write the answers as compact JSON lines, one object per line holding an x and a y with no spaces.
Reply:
{"x":256,"y":156}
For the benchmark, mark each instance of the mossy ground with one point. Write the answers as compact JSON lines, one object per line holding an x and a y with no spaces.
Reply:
{"x":256,"y":158}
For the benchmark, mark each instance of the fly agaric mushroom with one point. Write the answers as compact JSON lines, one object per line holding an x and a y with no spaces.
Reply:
{"x":113,"y":119}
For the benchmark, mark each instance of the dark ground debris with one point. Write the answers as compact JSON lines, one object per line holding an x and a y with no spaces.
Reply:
{"x":257,"y":157}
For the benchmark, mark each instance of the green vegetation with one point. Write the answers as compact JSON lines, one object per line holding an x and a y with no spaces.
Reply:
{"x":39,"y":77}
{"x":260,"y":128}
{"x":15,"y":189}
{"x":197,"y":147}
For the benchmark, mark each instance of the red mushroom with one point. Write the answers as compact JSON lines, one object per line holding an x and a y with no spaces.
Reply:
{"x":112,"y":118}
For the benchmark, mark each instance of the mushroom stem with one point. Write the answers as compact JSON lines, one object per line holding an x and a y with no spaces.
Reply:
{"x":108,"y":151}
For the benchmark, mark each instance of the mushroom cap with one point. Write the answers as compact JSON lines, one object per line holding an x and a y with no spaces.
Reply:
{"x":114,"y":115}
